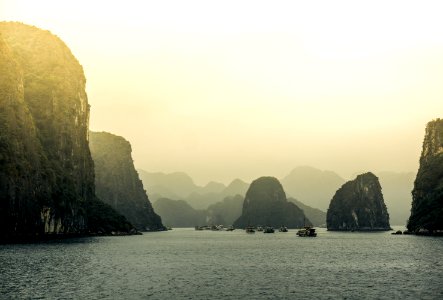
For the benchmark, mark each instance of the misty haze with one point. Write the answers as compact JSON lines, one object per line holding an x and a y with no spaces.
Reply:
{"x":231,"y":150}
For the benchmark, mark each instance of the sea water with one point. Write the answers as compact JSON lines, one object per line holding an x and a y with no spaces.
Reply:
{"x":189,"y":264}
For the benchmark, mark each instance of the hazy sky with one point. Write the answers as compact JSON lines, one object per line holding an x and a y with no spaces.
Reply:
{"x":226,"y":89}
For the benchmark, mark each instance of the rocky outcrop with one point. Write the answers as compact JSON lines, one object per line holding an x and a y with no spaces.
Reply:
{"x":117,"y":182}
{"x":46,"y":170}
{"x":266,"y":204}
{"x":427,"y":195}
{"x":358,"y":205}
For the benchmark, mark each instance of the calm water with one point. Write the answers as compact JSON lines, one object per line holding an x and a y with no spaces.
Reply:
{"x":189,"y":264}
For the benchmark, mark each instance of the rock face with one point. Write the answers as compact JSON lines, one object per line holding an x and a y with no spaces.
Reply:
{"x":266,"y":204}
{"x":46,"y":170}
{"x":358,"y":205}
{"x":427,"y":195}
{"x":117,"y":182}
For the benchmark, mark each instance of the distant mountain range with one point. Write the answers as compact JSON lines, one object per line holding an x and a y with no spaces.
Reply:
{"x":310,"y":186}
{"x":396,"y":189}
{"x":180,"y":186}
{"x":178,"y":213}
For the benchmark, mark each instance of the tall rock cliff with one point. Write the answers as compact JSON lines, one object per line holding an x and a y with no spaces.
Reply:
{"x":117,"y":181}
{"x":427,"y":195}
{"x":266,"y":204}
{"x":46,"y":170}
{"x":358,"y":205}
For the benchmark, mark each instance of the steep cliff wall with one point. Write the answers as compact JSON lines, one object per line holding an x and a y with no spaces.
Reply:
{"x":358,"y":205}
{"x":20,"y":152}
{"x":266,"y":204}
{"x":47,"y":176}
{"x":427,"y":195}
{"x":118,"y":183}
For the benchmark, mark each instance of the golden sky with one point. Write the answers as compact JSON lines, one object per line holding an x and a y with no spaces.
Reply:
{"x":227,"y":89}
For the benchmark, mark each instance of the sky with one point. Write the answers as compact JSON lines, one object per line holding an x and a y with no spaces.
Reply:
{"x":242,"y":89}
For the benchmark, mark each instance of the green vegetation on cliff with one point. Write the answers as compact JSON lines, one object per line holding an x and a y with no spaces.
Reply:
{"x":117,"y":182}
{"x":427,"y":203}
{"x":46,"y":170}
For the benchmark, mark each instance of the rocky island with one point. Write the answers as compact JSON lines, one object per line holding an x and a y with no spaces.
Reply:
{"x":117,"y":182}
{"x":427,"y":195}
{"x":266,"y":204}
{"x":358,"y":205}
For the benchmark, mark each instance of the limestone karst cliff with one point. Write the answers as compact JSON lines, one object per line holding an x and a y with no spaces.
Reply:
{"x":46,"y":170}
{"x":427,"y":195}
{"x":117,"y":182}
{"x":358,"y":205}
{"x":266,"y":204}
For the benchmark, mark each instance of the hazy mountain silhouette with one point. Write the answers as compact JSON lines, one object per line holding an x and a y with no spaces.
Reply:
{"x":226,"y":211}
{"x":180,"y":186}
{"x":177,"y":184}
{"x":202,"y":201}
{"x":315,"y":215}
{"x":236,"y":187}
{"x":178,"y":213}
{"x":212,"y":187}
{"x":312,"y":186}
{"x":396,"y":189}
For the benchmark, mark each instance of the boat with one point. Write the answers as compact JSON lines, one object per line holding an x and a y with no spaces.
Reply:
{"x":283,"y":229}
{"x":268,"y":229}
{"x":217,"y":227}
{"x":250,"y":229}
{"x":230,"y":228}
{"x":307,"y":231}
